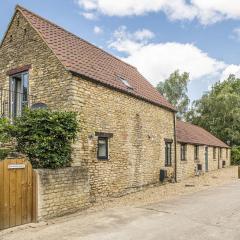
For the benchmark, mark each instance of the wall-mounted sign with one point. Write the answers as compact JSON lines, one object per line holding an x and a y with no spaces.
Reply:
{"x":16,"y":166}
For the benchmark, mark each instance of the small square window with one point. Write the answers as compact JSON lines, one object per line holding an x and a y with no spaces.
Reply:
{"x":125,"y":82}
{"x":102,"y":152}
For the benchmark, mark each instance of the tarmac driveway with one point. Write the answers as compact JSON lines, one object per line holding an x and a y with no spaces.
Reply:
{"x":208,"y":214}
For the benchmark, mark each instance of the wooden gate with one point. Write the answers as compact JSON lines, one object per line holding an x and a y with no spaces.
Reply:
{"x":17,"y":193}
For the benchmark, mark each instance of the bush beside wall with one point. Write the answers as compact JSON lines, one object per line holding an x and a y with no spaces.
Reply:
{"x":235,"y":155}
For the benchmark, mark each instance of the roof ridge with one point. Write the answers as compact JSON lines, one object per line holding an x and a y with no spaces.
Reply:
{"x":19,"y":7}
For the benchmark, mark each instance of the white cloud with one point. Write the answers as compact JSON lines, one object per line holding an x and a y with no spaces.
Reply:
{"x":236,"y":34}
{"x":206,"y":11}
{"x":127,"y":42}
{"x":231,"y":69}
{"x":89,"y":15}
{"x":97,"y":30}
{"x":156,"y":61}
{"x":144,"y":34}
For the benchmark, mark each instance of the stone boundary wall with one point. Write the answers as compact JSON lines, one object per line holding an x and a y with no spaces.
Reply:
{"x":62,"y":191}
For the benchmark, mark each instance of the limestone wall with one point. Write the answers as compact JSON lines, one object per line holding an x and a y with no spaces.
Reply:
{"x":62,"y":191}
{"x":187,"y":167}
{"x":137,"y":148}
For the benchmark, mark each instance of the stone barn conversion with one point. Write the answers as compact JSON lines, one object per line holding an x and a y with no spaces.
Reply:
{"x":127,"y":131}
{"x":198,"y":151}
{"x":127,"y":128}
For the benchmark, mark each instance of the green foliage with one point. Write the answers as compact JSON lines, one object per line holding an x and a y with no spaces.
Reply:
{"x":46,"y":137}
{"x":5,"y":137}
{"x":174,"y":89}
{"x":5,"y":130}
{"x":218,"y":111}
{"x":235,"y":155}
{"x":4,"y":153}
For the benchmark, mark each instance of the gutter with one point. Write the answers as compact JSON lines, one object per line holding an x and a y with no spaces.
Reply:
{"x":175,"y":145}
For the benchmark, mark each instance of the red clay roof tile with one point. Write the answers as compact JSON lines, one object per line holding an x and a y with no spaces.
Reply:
{"x":189,"y":133}
{"x":81,"y":57}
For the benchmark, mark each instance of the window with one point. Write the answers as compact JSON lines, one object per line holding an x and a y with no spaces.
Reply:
{"x":18,"y":94}
{"x":226,"y":153}
{"x":220,"y":152}
{"x":196,"y":152}
{"x":102,"y":152}
{"x":183,"y":151}
{"x":125,"y":82}
{"x":214,"y":152}
{"x":168,"y":153}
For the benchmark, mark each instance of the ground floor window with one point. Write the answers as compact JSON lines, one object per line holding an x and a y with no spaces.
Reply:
{"x":214,"y":152}
{"x":220,"y":152}
{"x":196,"y":152}
{"x":183,"y":151}
{"x":168,"y":153}
{"x":102,"y":152}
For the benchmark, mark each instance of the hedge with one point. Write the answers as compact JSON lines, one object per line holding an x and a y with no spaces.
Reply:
{"x":45,"y":137}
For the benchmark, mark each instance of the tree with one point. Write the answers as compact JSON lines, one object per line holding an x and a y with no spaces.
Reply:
{"x":174,"y":89}
{"x":218,"y":111}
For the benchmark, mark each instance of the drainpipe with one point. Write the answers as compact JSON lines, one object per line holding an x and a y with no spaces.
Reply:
{"x":175,"y":145}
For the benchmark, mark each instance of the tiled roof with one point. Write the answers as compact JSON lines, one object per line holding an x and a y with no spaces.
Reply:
{"x":85,"y":59}
{"x":189,"y":133}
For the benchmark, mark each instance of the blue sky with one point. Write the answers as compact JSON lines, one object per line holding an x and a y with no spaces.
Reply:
{"x":201,"y":37}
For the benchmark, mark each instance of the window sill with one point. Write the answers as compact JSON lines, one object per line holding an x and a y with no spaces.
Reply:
{"x":102,"y":159}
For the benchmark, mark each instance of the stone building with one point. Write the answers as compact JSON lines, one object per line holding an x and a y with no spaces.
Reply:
{"x":125,"y":123}
{"x":198,"y":151}
{"x":127,"y":128}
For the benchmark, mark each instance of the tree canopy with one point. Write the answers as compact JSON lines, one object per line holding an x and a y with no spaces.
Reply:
{"x":174,"y":89}
{"x":218,"y":111}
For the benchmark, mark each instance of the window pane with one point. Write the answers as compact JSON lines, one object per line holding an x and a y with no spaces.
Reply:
{"x":25,"y":88}
{"x":102,"y":148}
{"x":168,"y":153}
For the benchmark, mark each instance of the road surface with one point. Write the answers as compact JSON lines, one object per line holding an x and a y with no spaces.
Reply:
{"x":205,"y":215}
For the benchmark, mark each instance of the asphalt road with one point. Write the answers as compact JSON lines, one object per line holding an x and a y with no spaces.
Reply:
{"x":206,"y":215}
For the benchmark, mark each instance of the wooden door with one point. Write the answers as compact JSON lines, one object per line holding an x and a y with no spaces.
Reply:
{"x":17,"y":193}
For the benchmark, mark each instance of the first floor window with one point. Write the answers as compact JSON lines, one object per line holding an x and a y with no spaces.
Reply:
{"x":214,"y":152}
{"x":196,"y":152}
{"x":102,"y":148}
{"x":18,"y":93}
{"x":168,"y":153}
{"x":183,"y":151}
{"x":226,"y":153}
